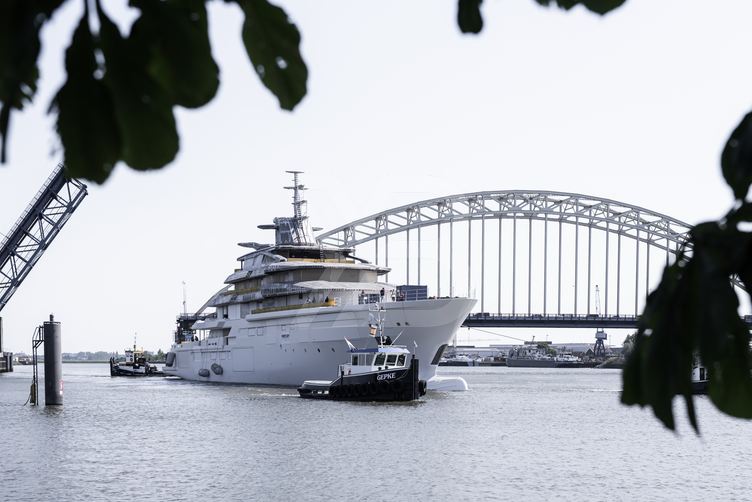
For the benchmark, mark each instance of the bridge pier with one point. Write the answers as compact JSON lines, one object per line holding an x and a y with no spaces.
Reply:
{"x":53,"y":363}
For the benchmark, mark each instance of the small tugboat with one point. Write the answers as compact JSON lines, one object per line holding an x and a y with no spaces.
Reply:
{"x":135,"y":364}
{"x":384,"y":373}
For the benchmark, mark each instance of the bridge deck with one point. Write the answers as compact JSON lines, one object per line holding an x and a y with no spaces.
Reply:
{"x":488,"y":320}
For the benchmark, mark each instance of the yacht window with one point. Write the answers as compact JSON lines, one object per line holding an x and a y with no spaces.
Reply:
{"x":354,"y":360}
{"x":391,"y":359}
{"x":379,"y":360}
{"x":401,"y":360}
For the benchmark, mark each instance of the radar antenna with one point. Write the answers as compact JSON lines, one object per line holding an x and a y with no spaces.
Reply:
{"x":293,"y":230}
{"x":297,"y":188}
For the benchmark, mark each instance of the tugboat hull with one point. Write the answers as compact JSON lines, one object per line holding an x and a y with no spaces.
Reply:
{"x":700,"y":387}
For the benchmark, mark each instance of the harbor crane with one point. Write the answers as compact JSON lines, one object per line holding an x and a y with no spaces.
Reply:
{"x":599,"y":351}
{"x":34,"y":231}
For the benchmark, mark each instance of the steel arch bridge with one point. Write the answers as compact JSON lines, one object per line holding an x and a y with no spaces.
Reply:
{"x":535,"y":245}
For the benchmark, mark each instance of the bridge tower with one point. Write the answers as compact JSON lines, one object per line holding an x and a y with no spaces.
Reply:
{"x":35,"y":230}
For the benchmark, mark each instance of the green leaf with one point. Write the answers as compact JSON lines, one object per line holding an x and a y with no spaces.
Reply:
{"x":745,"y":270}
{"x":736,"y":159}
{"x":597,"y":6}
{"x":721,"y":252}
{"x":660,"y":364}
{"x":743,"y":212}
{"x":180,"y":59}
{"x":20,"y":23}
{"x":694,"y":311}
{"x":273,"y":45}
{"x":469,"y":17}
{"x":143,"y":109}
{"x":85,"y":113}
{"x":730,"y":386}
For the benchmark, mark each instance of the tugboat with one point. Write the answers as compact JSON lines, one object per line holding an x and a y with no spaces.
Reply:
{"x":384,"y":373}
{"x":135,"y":364}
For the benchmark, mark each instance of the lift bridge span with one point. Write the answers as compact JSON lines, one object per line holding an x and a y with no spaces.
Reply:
{"x":530,"y":258}
{"x":32,"y":234}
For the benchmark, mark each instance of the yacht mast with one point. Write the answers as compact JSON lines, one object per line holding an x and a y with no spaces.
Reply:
{"x":299,"y":227}
{"x":297,"y":188}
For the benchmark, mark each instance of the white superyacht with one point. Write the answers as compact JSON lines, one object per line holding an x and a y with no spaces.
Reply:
{"x":286,"y":312}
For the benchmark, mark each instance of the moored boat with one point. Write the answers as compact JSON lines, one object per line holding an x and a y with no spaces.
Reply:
{"x":700,"y":379}
{"x":531,"y":355}
{"x":539,"y":355}
{"x":457,"y":360}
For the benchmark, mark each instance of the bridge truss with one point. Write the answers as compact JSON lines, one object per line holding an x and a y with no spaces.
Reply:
{"x":531,"y":230}
{"x":36,"y":228}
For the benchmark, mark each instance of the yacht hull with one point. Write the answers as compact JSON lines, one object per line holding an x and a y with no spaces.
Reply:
{"x":287,"y":348}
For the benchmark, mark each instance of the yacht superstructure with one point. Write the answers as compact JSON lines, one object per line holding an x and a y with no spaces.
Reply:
{"x":284,"y":314}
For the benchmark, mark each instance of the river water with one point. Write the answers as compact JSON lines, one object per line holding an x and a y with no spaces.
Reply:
{"x":518,"y":434}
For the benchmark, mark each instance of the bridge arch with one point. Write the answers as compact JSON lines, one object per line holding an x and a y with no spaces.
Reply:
{"x":550,"y":216}
{"x":568,"y":208}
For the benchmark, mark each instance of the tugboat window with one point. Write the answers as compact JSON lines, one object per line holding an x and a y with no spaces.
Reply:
{"x":391,"y":359}
{"x":379,"y":360}
{"x":401,"y":360}
{"x":354,"y":360}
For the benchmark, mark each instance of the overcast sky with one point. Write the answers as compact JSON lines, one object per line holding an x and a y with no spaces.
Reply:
{"x":634,"y":106}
